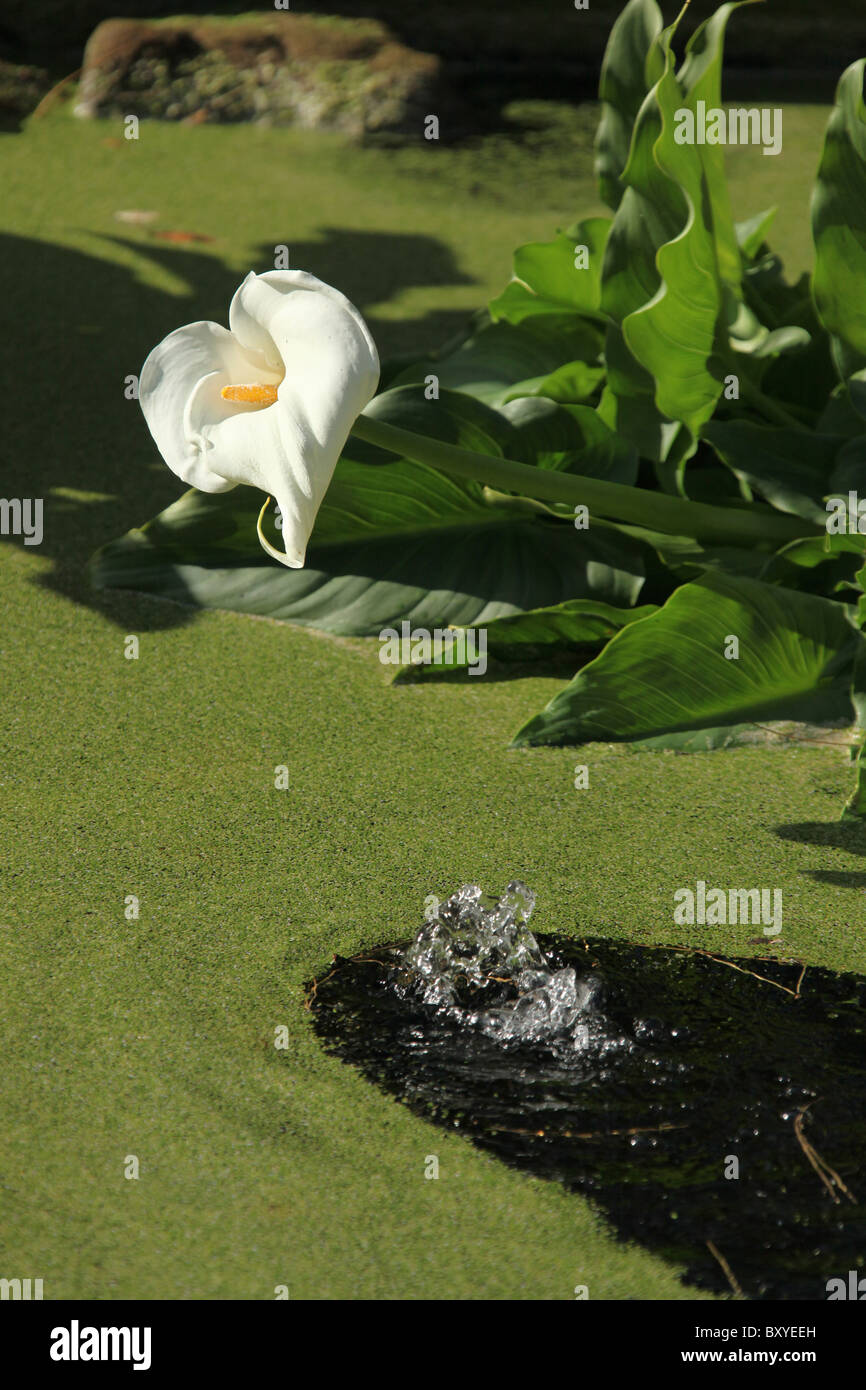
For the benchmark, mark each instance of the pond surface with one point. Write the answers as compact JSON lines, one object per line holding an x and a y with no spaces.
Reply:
{"x":713,"y":1109}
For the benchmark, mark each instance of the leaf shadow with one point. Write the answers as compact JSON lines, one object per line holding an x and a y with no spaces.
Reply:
{"x":843,"y":835}
{"x":83,"y":323}
{"x":838,"y":878}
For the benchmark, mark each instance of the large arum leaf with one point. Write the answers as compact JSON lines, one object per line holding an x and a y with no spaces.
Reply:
{"x":392,"y":541}
{"x":548,"y":270}
{"x":849,"y":475}
{"x":517,"y":302}
{"x":685,"y":558}
{"x":453,"y":417}
{"x":575,"y":623}
{"x":652,"y":214}
{"x":802,"y":379}
{"x":791,"y":468}
{"x":633,"y":63}
{"x":668,"y":674}
{"x":700,"y":78}
{"x":435,"y":572}
{"x":787,"y":352}
{"x":673,"y":336}
{"x":824,"y":564}
{"x":673,"y":267}
{"x":839,"y":224}
{"x":573,"y":439}
{"x":564,"y":627}
{"x":500,"y":354}
{"x":627,"y":403}
{"x":777,"y":301}
{"x":528,"y":429}
{"x":570,"y":383}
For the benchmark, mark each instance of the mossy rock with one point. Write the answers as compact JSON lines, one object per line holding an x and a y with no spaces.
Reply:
{"x":278,"y":69}
{"x":21,"y":89}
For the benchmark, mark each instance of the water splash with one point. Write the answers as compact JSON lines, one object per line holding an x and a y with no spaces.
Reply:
{"x":676,"y":1063}
{"x":476,"y":961}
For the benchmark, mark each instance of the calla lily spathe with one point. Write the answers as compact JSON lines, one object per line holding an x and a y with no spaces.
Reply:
{"x":269,"y":401}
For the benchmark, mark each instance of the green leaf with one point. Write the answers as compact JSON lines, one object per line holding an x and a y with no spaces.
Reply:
{"x":801,"y":376}
{"x":861,"y":620}
{"x":839,"y":224}
{"x":628,"y":405}
{"x":433,"y":572}
{"x":453,"y":417}
{"x":392,"y":541}
{"x":517,"y":303}
{"x":575,"y":623}
{"x":839,"y":415}
{"x":573,"y":439}
{"x":492,"y":360}
{"x":632,"y":64}
{"x":563,"y":627}
{"x":820,"y":564}
{"x":668,"y":674}
{"x":849,"y":475}
{"x":856,"y":390}
{"x":773,"y":342}
{"x":775,"y":300}
{"x":791,"y":468}
{"x":548,"y":268}
{"x":752,"y":232}
{"x":855,"y":807}
{"x":674,"y":267}
{"x":845,"y":410}
{"x":700,"y":79}
{"x":660,"y":287}
{"x":673,"y":336}
{"x":570,"y":383}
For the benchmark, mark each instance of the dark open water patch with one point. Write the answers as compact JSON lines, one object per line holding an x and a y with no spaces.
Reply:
{"x":676,"y":1064}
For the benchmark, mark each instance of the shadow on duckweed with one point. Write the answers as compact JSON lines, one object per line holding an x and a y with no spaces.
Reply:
{"x":664,"y":1072}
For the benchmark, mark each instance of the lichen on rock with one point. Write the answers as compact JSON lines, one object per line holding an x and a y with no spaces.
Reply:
{"x":282,"y":69}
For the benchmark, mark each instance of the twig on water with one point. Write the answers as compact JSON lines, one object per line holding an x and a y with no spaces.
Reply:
{"x":313,"y":990}
{"x":829,"y":1177}
{"x":728,"y":1272}
{"x":720,"y":960}
{"x":594,"y":1134}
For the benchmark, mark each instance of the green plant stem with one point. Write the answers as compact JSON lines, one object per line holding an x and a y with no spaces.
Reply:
{"x":652,"y":510}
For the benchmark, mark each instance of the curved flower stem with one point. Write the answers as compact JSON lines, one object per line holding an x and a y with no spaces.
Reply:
{"x":652,"y":510}
{"x":263,"y":540}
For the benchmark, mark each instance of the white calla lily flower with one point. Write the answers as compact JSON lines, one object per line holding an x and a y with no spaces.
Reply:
{"x":269,"y":401}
